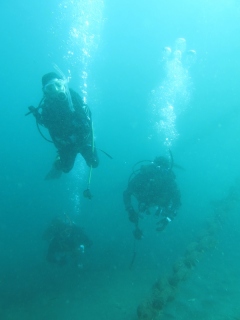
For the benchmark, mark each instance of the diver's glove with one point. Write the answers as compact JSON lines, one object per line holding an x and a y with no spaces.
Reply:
{"x":163,"y":223}
{"x":33,"y":110}
{"x":35,"y":113}
{"x":132,"y":215}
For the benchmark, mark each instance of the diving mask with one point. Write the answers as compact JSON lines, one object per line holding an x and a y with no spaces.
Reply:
{"x":56,"y":88}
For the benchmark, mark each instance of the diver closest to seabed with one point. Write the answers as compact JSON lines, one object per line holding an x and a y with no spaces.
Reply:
{"x":69,"y":122}
{"x":67,"y":242}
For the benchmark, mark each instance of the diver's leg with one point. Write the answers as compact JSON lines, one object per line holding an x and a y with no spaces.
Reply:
{"x":64,"y":162}
{"x":67,"y":159}
{"x":56,"y":171}
{"x":90,"y":156}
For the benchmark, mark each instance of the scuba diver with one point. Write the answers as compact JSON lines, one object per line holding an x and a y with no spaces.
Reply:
{"x":154,"y":188}
{"x":67,"y":242}
{"x":69,"y":122}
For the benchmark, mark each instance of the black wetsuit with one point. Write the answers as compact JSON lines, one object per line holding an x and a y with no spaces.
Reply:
{"x":71,"y":131}
{"x":153,"y":186}
{"x":65,"y":243}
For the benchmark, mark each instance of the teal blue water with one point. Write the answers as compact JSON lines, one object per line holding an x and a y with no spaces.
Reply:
{"x":148,"y":91}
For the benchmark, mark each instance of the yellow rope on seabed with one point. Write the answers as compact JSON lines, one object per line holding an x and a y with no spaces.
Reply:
{"x":164,"y":289}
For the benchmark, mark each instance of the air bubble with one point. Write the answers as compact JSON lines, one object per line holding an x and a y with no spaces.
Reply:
{"x":191,"y":56}
{"x":167,"y":52}
{"x":181,"y":44}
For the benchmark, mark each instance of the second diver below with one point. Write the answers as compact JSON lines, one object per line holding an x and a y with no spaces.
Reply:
{"x":154,"y":188}
{"x":69,"y":122}
{"x":67,"y":243}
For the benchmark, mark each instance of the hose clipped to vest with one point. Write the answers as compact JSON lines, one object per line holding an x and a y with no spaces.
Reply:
{"x":87,"y":193}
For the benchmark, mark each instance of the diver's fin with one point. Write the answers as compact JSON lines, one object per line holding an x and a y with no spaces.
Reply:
{"x":54,"y":173}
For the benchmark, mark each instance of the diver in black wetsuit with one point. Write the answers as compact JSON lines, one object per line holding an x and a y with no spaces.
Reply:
{"x":153,"y":185}
{"x":67,"y":242}
{"x":69,"y":122}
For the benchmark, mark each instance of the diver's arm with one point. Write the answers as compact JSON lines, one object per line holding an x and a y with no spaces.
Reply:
{"x":132,"y":214}
{"x":35,"y":112}
{"x":80,"y":107}
{"x":127,"y":199}
{"x":83,"y":114}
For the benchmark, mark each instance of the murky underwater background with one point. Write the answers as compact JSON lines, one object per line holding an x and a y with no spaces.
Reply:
{"x":156,"y":75}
